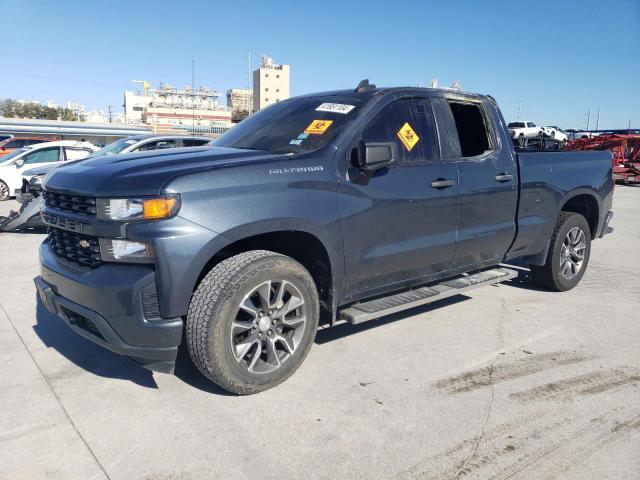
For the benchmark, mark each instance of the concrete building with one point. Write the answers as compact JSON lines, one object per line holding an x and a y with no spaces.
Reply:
{"x":239,"y":100}
{"x":270,"y":83}
{"x":167,"y":109}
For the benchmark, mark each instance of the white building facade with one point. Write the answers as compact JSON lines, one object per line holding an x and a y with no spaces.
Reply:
{"x":270,"y":83}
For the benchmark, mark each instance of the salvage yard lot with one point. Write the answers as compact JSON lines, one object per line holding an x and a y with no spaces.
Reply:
{"x":506,"y":381}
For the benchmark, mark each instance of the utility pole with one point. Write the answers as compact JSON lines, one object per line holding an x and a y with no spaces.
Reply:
{"x":110,"y":114}
{"x":193,"y":97}
{"x":589,"y":119}
{"x":598,"y":119}
{"x":519,"y":108}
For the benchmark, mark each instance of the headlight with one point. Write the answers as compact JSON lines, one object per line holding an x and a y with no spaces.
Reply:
{"x":116,"y":250}
{"x":37,"y":180}
{"x":132,"y":209}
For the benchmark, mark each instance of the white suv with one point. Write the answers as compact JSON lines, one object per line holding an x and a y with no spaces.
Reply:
{"x":13,"y":165}
{"x":522,"y":130}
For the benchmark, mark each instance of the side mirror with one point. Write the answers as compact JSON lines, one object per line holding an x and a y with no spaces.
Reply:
{"x":375,"y":155}
{"x":19,"y":162}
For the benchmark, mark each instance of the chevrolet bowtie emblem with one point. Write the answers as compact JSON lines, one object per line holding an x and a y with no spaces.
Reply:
{"x":84,"y":244}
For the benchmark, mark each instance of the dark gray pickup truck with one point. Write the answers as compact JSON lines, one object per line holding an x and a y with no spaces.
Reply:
{"x":339,"y":206}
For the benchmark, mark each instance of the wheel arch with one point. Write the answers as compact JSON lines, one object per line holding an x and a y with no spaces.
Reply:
{"x":586,"y":204}
{"x":304,"y":247}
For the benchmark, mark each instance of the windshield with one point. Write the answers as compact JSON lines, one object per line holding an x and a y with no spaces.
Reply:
{"x":293,"y":126}
{"x":113,"y":148}
{"x":8,"y":158}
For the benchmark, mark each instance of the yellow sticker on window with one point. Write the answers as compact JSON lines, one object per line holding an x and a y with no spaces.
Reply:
{"x":318,"y":127}
{"x":408,"y":136}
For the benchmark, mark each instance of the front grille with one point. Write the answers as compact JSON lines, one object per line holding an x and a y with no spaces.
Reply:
{"x":70,"y":203}
{"x":75,"y":247}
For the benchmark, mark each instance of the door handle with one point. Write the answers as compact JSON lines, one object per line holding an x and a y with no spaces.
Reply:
{"x":442,"y":183}
{"x":503,"y":177}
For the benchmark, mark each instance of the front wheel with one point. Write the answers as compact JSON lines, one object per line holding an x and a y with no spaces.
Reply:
{"x":568,"y":254}
{"x":252,"y":321}
{"x":5,"y":193}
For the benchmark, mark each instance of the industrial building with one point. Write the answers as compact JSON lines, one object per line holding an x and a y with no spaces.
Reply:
{"x":167,"y":109}
{"x":270,"y":83}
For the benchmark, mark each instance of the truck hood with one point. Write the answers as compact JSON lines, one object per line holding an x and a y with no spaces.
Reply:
{"x":143,"y":173}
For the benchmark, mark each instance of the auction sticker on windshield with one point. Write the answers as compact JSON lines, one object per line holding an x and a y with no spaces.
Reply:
{"x":408,"y":136}
{"x":318,"y":127}
{"x":335,"y":108}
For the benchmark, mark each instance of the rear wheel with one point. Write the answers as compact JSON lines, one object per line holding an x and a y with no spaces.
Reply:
{"x":4,"y":191}
{"x":568,"y":254}
{"x":252,"y":321}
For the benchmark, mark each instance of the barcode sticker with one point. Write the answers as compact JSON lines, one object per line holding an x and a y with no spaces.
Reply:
{"x":335,"y":108}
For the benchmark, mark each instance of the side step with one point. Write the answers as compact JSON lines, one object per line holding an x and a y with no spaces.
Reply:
{"x":361,"y":312}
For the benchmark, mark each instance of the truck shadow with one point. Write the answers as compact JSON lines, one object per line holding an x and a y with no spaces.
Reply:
{"x":328,"y":334}
{"x":55,"y":334}
{"x":524,"y":280}
{"x":187,"y":372}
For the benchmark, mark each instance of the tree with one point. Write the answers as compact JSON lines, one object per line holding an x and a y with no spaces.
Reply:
{"x":13,"y":109}
{"x":239,"y":115}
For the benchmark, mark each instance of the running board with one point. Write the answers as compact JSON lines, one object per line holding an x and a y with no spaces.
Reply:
{"x":361,"y":312}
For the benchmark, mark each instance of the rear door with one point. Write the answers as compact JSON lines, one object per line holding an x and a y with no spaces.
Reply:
{"x":488,"y":183}
{"x":399,"y":224}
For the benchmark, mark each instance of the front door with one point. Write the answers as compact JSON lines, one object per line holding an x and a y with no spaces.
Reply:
{"x":399,"y":224}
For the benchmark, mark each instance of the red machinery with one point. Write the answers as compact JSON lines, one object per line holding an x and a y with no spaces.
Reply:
{"x":625,"y":149}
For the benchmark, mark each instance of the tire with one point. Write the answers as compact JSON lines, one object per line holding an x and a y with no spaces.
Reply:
{"x":215,"y":346}
{"x":554,"y":275}
{"x":5,"y":193}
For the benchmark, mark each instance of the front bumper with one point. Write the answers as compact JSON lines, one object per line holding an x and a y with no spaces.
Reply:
{"x":112,"y":306}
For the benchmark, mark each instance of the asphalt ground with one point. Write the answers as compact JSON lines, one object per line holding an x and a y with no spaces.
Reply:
{"x":506,"y":381}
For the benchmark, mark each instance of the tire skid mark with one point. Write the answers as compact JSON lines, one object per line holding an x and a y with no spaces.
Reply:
{"x":581,"y":385}
{"x":502,"y":372}
{"x":567,"y":454}
{"x":501,"y":440}
{"x":513,"y":447}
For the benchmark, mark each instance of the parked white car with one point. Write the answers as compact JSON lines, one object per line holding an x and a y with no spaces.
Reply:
{"x":556,"y":133}
{"x":522,"y":130}
{"x":13,"y":165}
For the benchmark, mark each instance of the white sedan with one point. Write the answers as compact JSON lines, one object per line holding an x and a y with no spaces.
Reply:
{"x":13,"y":165}
{"x":556,"y":133}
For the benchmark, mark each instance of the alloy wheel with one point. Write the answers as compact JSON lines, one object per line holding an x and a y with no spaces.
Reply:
{"x":268,"y":326}
{"x":572,"y":253}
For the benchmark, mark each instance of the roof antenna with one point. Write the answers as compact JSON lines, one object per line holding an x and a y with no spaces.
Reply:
{"x":364,"y":85}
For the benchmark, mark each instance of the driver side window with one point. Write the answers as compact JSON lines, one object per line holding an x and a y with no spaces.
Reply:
{"x":410,"y":125}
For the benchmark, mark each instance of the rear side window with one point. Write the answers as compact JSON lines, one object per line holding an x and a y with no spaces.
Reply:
{"x":15,"y":144}
{"x":409,"y":124}
{"x":156,"y":145}
{"x":193,"y":142}
{"x":76,"y":153}
{"x":471,"y":124}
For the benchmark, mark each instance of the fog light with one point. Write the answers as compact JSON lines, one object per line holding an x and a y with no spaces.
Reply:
{"x":126,"y":251}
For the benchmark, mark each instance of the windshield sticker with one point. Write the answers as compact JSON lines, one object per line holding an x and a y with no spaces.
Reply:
{"x":335,"y":108}
{"x":318,"y":127}
{"x":302,"y":136}
{"x":295,"y":142}
{"x":408,"y":136}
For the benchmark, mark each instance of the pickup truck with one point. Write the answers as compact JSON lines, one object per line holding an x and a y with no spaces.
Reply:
{"x":324,"y":208}
{"x":522,"y":130}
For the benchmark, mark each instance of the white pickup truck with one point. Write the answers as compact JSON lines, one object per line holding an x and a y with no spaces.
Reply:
{"x":522,"y":130}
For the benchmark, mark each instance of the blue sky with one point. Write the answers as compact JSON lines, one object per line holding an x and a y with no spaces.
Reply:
{"x":552,"y":62}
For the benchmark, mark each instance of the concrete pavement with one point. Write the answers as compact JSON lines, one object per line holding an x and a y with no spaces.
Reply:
{"x":505,"y":382}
